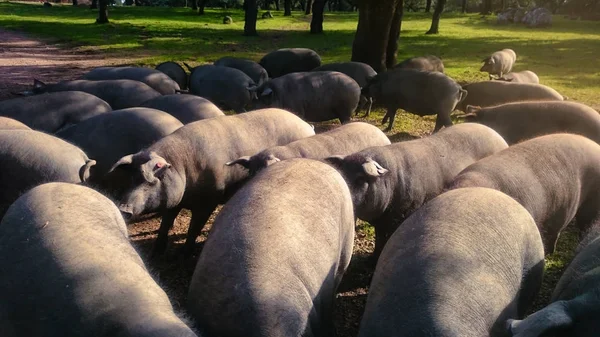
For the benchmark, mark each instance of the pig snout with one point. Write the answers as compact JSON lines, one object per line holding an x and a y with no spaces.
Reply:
{"x":126,"y":211}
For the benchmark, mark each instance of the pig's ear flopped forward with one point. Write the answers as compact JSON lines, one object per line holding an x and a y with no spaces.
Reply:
{"x":243,"y":161}
{"x":373,"y":169}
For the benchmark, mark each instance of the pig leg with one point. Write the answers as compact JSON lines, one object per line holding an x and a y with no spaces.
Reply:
{"x":587,"y":217}
{"x":391,"y":115}
{"x":361,"y":104}
{"x":168,"y":218}
{"x":199,"y":218}
{"x":443,"y":119}
{"x":369,"y":106}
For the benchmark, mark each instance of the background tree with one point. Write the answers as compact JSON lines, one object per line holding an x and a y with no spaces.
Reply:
{"x":316,"y":23}
{"x":194,"y":5}
{"x":250,"y":17}
{"x":437,"y":13}
{"x":74,"y":2}
{"x":464,"y":6}
{"x":308,"y":6}
{"x":287,"y":6}
{"x":428,"y":6}
{"x":377,"y":33}
{"x":102,"y":11}
{"x":486,"y":7}
{"x":201,"y":5}
{"x":94,"y":4}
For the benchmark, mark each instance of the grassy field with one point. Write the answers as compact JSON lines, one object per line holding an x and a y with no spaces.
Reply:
{"x":564,"y":56}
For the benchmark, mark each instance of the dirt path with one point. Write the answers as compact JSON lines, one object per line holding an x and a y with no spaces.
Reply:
{"x":23,"y":58}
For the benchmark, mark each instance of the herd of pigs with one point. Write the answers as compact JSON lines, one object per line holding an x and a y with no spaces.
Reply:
{"x":463,"y":218}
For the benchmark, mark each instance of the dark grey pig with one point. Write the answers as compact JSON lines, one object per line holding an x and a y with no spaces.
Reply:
{"x":519,"y":121}
{"x":155,"y":79}
{"x":362,"y":73}
{"x":314,"y":96}
{"x":12,"y":124}
{"x":290,"y":60}
{"x":119,"y":94}
{"x":388,"y":183}
{"x":52,"y":112}
{"x":425,"y":63}
{"x":186,"y":169}
{"x":555,"y":177}
{"x":491,"y":93}
{"x":575,"y":303}
{"x":499,"y":63}
{"x":343,"y":140}
{"x":422,"y":93}
{"x":268,"y":272}
{"x":525,"y":76}
{"x":29,"y":158}
{"x":175,"y":72}
{"x":186,"y":108}
{"x":461,"y":265}
{"x":228,"y":88}
{"x":108,"y":137}
{"x":68,"y":269}
{"x":254,"y":70}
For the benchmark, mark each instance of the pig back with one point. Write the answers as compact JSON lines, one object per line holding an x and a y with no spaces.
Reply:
{"x":76,"y":274}
{"x":491,"y":93}
{"x":29,"y":158}
{"x":282,"y":277}
{"x":456,"y":267}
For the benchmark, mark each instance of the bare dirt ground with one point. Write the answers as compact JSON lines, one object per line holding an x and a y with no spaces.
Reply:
{"x":23,"y":58}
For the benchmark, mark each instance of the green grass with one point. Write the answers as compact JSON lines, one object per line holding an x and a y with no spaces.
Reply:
{"x":564,"y":56}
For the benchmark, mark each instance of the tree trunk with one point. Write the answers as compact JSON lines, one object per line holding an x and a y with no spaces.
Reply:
{"x":94,"y":4}
{"x":487,"y":7}
{"x":201,"y":5}
{"x":277,"y":4}
{"x":437,"y":13}
{"x":194,"y":5}
{"x":287,"y":6}
{"x":395,"y":27}
{"x":371,"y":42}
{"x":464,"y":6}
{"x":428,"y":6}
{"x":102,"y":11}
{"x":316,"y":24}
{"x":75,"y":3}
{"x":250,"y":18}
{"x":266,"y":4}
{"x":503,"y":4}
{"x":308,"y":7}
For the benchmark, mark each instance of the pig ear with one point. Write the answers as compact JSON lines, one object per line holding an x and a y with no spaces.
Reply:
{"x":244,"y":161}
{"x":554,"y":316}
{"x":84,"y":171}
{"x":372,"y":169}
{"x":272,"y":160}
{"x":38,"y":85}
{"x":268,"y":91}
{"x":473,"y":109}
{"x":127,"y":160}
{"x":160,"y":168}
